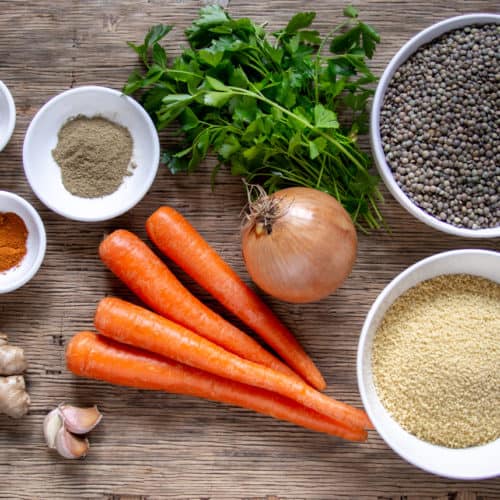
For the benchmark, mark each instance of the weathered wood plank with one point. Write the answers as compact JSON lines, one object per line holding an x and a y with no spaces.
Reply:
{"x":154,"y":445}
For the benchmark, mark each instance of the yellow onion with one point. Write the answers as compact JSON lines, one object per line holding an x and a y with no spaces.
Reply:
{"x":299,"y":244}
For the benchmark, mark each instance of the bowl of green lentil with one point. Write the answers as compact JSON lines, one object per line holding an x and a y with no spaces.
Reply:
{"x":427,"y":364}
{"x":435,"y":126}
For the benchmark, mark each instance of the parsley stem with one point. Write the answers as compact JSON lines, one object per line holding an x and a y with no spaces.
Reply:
{"x":173,"y":72}
{"x":317,"y":61}
{"x":318,"y":182}
{"x":255,"y":64}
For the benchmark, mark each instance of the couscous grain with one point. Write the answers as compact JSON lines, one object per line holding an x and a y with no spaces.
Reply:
{"x":436,"y":360}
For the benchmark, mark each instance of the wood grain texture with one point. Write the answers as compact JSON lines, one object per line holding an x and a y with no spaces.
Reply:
{"x":153,"y":445}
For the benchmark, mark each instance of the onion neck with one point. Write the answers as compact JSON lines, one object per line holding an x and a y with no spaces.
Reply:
{"x":263,"y":227}
{"x":264,"y":210}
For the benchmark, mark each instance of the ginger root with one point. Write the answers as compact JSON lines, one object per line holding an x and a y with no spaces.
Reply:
{"x":12,"y":359}
{"x":14,"y":400}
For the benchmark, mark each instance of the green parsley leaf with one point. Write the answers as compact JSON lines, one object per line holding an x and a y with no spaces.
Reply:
{"x":188,"y":119}
{"x":159,"y":55}
{"x":300,"y":21}
{"x":134,"y":82}
{"x":229,"y":146}
{"x":316,"y":147}
{"x":351,"y":12}
{"x":324,"y":118}
{"x":216,"y":84}
{"x":216,"y":99}
{"x":370,"y":39}
{"x":154,"y":35}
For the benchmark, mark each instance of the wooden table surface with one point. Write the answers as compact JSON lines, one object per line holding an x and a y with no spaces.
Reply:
{"x":153,"y":445}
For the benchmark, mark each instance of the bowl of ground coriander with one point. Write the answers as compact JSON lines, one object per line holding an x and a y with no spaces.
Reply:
{"x":435,"y":126}
{"x":91,"y":153}
{"x":428,"y":364}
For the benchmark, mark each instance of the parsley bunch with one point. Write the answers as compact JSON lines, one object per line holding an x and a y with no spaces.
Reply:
{"x":275,"y":108}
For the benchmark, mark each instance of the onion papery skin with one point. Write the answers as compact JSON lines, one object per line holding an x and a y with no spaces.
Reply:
{"x":306,"y":252}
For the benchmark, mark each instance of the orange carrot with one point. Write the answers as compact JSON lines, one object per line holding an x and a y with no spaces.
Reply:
{"x":180,"y":241}
{"x":91,"y":355}
{"x":151,"y":280}
{"x":134,"y":325}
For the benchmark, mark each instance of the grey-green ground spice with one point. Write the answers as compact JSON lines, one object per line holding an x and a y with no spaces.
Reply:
{"x":94,"y":155}
{"x":436,"y":360}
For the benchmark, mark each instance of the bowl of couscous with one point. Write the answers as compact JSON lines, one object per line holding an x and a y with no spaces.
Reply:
{"x":427,"y":364}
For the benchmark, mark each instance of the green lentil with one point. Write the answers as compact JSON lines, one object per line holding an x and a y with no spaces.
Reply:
{"x":440,"y":121}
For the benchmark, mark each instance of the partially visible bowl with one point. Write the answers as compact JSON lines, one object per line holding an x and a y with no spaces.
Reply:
{"x":7,"y":115}
{"x":17,"y":276}
{"x":384,"y":170}
{"x":477,"y":462}
{"x":44,"y":175}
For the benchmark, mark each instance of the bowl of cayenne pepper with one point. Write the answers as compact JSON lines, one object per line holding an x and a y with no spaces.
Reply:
{"x":22,"y":241}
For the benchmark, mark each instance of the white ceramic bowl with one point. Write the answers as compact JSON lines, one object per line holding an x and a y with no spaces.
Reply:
{"x":384,"y":170}
{"x":17,"y":276}
{"x":44,"y":175}
{"x":478,"y":462}
{"x":7,"y":115}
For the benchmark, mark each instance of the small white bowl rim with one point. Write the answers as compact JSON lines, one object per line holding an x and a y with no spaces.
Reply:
{"x":12,"y":115}
{"x":145,"y":186}
{"x":362,"y":348}
{"x":22,"y":280}
{"x":409,"y":48}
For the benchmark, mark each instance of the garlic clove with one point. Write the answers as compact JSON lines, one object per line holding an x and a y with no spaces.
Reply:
{"x":51,"y":425}
{"x":79,"y":420}
{"x":70,"y":446}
